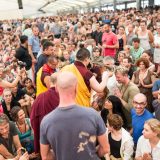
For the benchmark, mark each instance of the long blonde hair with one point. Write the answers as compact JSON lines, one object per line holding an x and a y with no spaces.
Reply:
{"x":154,"y":125}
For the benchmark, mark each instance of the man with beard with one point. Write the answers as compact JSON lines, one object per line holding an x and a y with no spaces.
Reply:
{"x":126,"y":91}
{"x":109,"y":41}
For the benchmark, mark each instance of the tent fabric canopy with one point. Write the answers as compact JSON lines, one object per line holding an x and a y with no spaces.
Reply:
{"x":33,"y":7}
{"x":36,"y":7}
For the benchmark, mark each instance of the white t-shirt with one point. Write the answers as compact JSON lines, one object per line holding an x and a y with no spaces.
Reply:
{"x":156,"y":56}
{"x":143,"y":146}
{"x":112,"y":84}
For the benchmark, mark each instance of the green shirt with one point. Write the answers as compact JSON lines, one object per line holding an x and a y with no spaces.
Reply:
{"x":136,"y":53}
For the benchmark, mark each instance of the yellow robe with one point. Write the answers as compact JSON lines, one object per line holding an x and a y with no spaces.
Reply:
{"x":83,"y":94}
{"x":40,"y":87}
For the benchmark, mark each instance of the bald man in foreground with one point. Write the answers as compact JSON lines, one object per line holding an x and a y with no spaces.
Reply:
{"x":139,"y":115}
{"x":71,"y":130}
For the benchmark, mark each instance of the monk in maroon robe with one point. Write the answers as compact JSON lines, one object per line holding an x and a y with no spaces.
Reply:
{"x":44,"y":104}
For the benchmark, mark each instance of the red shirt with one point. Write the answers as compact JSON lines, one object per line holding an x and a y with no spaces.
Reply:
{"x":109,"y":39}
{"x":1,"y":91}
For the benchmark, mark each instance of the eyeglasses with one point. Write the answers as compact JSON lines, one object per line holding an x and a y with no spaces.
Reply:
{"x":139,"y":103}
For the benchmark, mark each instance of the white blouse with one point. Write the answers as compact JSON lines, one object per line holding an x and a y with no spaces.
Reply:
{"x":143,"y":146}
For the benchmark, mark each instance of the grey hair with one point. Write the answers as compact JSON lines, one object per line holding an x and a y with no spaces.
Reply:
{"x":108,"y":58}
{"x":122,"y":70}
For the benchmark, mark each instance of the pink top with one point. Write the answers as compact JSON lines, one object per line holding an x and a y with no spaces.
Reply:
{"x":109,"y":39}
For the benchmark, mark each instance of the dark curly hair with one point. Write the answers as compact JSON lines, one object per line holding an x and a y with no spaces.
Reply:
{"x":14,"y":113}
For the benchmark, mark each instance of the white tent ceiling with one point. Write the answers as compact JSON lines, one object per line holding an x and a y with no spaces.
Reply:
{"x":31,"y":7}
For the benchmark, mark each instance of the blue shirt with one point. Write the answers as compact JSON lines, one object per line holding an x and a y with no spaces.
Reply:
{"x":156,"y":86}
{"x":138,"y":123}
{"x":35,"y":43}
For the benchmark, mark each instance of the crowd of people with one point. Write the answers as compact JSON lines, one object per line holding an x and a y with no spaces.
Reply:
{"x":81,"y":86}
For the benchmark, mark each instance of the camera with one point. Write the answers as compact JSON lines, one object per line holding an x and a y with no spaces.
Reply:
{"x":8,"y":29}
{"x":21,"y":64}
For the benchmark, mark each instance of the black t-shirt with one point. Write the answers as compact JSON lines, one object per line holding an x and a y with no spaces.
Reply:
{"x":104,"y":114}
{"x":20,"y":94}
{"x":97,"y":36}
{"x":42,"y":59}
{"x":23,"y":55}
{"x":13,"y":104}
{"x":130,"y":72}
{"x":114,"y":146}
{"x":8,"y":143}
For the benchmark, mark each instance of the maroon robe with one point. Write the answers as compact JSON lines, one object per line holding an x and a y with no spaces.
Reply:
{"x":44,"y":104}
{"x":86,"y":74}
